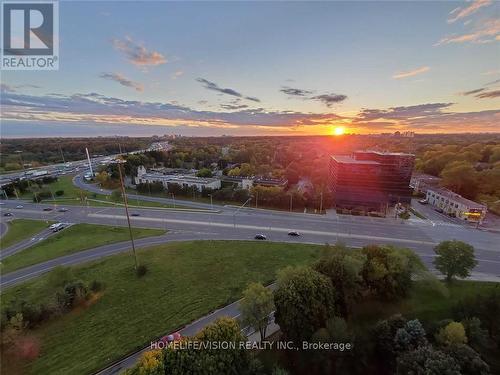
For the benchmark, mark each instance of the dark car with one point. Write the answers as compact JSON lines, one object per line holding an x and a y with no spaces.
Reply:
{"x":260,"y":237}
{"x":47,"y":209}
{"x":440,"y":210}
{"x":63,"y":210}
{"x":294,"y":233}
{"x":7,"y":214}
{"x":134,"y":214}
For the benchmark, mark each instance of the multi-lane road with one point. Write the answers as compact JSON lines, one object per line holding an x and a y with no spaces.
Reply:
{"x":230,"y":223}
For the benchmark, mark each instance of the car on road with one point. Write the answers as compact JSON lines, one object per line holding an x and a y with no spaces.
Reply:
{"x":440,"y":210}
{"x":260,"y":237}
{"x":294,"y":233}
{"x":7,"y":214}
{"x":57,"y":227}
{"x":19,"y":206}
{"x":423,"y":201}
{"x":47,"y":209}
{"x":135,"y":214}
{"x":62,"y":209}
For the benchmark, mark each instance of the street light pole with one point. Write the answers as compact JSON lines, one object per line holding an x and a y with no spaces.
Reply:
{"x":239,"y":208}
{"x":321,"y":204}
{"x":291,"y":199}
{"x":211,"y":202}
{"x":173,"y":197}
{"x":126,"y":211}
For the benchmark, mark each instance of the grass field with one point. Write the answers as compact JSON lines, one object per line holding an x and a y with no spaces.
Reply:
{"x":71,"y":240}
{"x":21,"y":229}
{"x":184,"y":282}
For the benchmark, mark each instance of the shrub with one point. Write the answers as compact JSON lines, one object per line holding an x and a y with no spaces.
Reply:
{"x":452,"y":334}
{"x":59,"y":193}
{"x":141,"y":270}
{"x":73,"y":294}
{"x":96,"y":286}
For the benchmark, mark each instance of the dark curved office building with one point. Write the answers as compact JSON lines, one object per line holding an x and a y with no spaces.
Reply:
{"x":371,"y":180}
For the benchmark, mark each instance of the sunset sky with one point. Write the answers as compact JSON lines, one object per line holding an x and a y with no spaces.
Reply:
{"x":263,"y":68}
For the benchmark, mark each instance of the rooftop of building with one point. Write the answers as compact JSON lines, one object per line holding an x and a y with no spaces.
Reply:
{"x":385,"y":153}
{"x":346,"y":159}
{"x":179,"y":178}
{"x":455,"y":197}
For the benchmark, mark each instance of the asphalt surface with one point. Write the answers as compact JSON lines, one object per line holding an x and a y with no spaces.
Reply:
{"x":20,"y":246}
{"x":419,"y":235}
{"x":233,"y":224}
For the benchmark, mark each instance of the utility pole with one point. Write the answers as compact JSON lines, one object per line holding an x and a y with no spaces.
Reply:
{"x":90,"y":164}
{"x":173,"y":197}
{"x":291,"y":199}
{"x":321,"y":204}
{"x":62,"y":155}
{"x":239,"y":208}
{"x":211,"y":203}
{"x":126,"y":211}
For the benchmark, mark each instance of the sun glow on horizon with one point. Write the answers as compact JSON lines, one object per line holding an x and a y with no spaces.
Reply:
{"x":338,"y":130}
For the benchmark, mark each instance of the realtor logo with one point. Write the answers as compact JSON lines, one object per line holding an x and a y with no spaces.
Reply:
{"x":30,"y":39}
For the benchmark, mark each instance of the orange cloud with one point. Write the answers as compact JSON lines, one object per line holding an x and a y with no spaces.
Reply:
{"x":411,"y":73}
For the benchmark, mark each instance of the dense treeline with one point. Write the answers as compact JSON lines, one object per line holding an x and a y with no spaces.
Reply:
{"x":38,"y":152}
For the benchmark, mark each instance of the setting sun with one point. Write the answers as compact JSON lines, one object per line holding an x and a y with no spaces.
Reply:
{"x":338,"y":130}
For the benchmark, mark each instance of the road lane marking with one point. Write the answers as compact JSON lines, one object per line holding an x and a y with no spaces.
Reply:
{"x":263,"y":228}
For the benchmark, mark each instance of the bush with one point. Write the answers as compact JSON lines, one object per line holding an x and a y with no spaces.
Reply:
{"x":73,"y":294}
{"x":59,"y":193}
{"x":96,"y":286}
{"x":141,"y":270}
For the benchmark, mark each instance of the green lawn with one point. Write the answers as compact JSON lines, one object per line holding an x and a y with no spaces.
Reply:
{"x":71,"y":240}
{"x":184,"y":282}
{"x":21,"y":229}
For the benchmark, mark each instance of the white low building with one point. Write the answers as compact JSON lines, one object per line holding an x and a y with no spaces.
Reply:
{"x":185,"y":181}
{"x":454,"y":204}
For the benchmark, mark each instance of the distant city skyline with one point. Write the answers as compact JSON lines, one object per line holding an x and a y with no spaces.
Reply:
{"x":263,"y":68}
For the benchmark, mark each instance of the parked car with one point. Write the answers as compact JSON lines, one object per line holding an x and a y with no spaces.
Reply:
{"x":440,"y":210}
{"x":294,"y":233}
{"x":423,"y":201}
{"x":260,"y":237}
{"x":19,"y":206}
{"x":7,"y":214}
{"x":47,"y":209}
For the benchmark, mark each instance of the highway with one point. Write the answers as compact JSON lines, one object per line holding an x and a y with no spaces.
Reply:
{"x":227,"y":223}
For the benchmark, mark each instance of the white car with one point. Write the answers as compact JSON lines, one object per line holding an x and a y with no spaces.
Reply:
{"x":19,"y":206}
{"x":57,"y":227}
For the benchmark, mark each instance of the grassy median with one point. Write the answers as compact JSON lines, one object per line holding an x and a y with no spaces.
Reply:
{"x":21,"y":229}
{"x":71,"y":240}
{"x":184,"y":282}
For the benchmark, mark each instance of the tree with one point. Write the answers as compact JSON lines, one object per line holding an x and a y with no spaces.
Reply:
{"x":343,"y":268}
{"x":210,"y":360}
{"x":454,"y":258}
{"x":387,"y":270}
{"x":486,"y":307}
{"x":460,"y":177}
{"x":304,"y":301}
{"x":204,"y":172}
{"x":384,"y":333}
{"x":116,"y":196}
{"x":256,"y":306}
{"x":468,"y":359}
{"x":452,"y":334}
{"x":410,"y":337}
{"x":425,"y":360}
